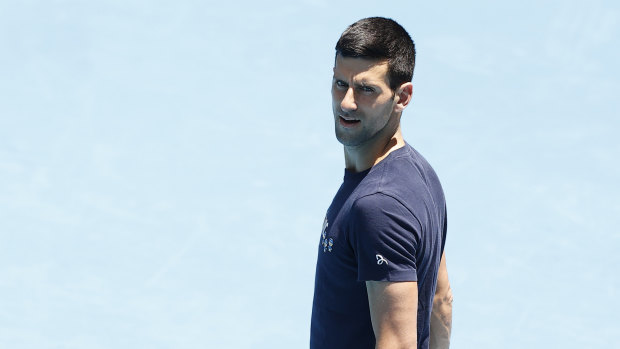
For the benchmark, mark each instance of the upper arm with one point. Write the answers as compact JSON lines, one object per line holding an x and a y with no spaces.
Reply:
{"x":385,"y":237}
{"x":393,"y":312}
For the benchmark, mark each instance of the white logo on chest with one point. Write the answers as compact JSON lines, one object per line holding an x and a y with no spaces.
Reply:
{"x":327,"y":244}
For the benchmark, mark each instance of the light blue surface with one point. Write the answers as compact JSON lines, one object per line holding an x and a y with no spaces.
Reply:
{"x":166,"y":167}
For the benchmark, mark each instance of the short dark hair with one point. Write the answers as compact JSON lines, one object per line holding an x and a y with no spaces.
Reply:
{"x":382,"y":39}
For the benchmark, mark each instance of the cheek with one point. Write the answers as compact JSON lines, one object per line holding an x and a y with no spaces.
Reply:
{"x":383,"y":104}
{"x":337,"y":94}
{"x":335,"y":99}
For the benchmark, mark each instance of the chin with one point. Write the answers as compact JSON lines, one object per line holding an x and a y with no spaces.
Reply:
{"x":346,"y":141}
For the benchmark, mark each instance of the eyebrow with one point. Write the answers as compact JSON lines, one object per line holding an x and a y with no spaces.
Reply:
{"x":367,"y":83}
{"x":363,"y":83}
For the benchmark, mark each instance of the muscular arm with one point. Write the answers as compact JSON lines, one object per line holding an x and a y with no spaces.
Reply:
{"x":393,"y":312}
{"x":441,"y":316}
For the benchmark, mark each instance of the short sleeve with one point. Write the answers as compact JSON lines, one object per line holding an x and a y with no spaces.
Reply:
{"x":385,"y":237}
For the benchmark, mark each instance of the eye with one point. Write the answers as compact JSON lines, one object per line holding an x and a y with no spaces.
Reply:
{"x":341,"y":84}
{"x":367,"y":89}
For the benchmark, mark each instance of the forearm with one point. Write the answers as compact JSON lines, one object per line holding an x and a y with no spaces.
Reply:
{"x":441,"y":322}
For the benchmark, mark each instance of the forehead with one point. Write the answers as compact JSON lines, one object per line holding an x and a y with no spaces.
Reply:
{"x":361,"y":69}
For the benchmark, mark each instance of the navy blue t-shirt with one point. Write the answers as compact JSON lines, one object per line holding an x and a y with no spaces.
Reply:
{"x":387,"y":223}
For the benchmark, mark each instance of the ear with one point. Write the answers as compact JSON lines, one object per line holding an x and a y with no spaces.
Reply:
{"x":403,"y":94}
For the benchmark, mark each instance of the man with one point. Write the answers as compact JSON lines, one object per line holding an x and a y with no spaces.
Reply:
{"x":381,"y":278}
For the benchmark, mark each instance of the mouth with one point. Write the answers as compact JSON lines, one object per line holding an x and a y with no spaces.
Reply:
{"x":348,"y":121}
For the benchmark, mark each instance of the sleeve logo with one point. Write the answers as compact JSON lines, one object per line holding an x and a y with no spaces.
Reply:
{"x":381,"y":260}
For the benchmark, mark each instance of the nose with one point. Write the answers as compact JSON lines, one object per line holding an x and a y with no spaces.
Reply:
{"x":348,"y":102}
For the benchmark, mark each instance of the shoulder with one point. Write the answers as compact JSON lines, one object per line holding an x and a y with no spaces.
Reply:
{"x":381,"y":212}
{"x":377,"y":203}
{"x":409,"y":177}
{"x":409,"y":165}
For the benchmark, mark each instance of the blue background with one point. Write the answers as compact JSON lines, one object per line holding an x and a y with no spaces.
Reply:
{"x":165,"y":168}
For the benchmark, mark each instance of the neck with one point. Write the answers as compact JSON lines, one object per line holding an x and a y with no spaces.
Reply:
{"x":364,"y":156}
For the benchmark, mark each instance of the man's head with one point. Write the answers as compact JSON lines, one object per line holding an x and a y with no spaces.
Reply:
{"x":371,"y":85}
{"x":380,"y":39}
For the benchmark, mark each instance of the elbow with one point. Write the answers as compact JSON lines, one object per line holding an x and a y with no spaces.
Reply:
{"x":442,"y":308}
{"x":444,"y":298}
